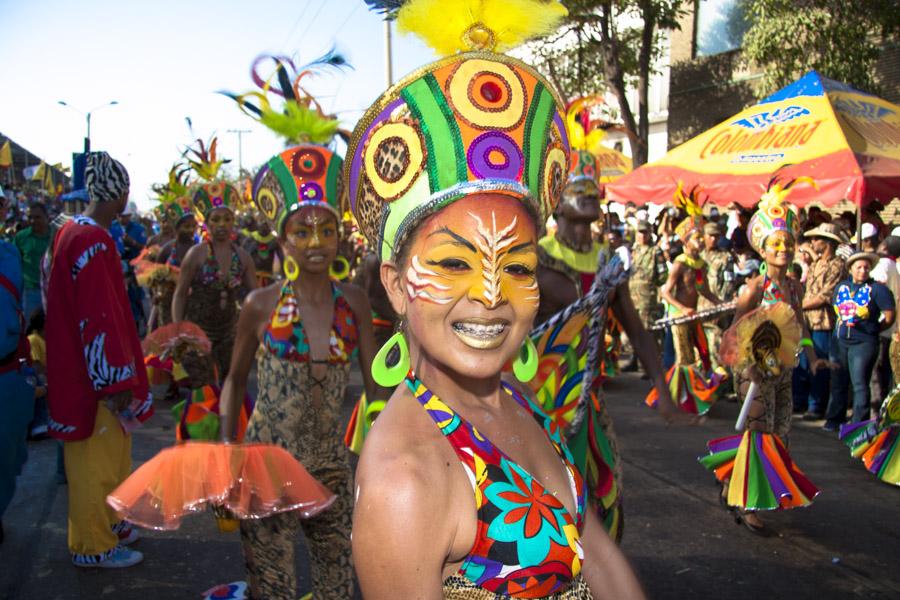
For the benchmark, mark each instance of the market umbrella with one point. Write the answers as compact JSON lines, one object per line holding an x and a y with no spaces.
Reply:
{"x":848,"y":141}
{"x":613,"y":164}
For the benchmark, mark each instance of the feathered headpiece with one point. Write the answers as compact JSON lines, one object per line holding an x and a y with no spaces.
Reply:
{"x":584,"y":139}
{"x":691,"y":204}
{"x":299,"y":119}
{"x":211,"y":193}
{"x":174,"y":195}
{"x":773,"y":214}
{"x":304,"y":175}
{"x":451,"y":26}
{"x":475,"y":121}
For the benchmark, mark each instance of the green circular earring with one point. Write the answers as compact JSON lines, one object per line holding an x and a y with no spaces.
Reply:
{"x":763,"y":269}
{"x":390,"y":374}
{"x":526,"y":364}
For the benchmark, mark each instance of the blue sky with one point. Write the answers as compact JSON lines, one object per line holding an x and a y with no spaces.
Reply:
{"x":163,"y":60}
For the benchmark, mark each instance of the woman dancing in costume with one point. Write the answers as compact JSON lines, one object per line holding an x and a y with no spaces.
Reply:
{"x":310,"y":329}
{"x":451,"y":174}
{"x":773,"y":232}
{"x":214,"y":273}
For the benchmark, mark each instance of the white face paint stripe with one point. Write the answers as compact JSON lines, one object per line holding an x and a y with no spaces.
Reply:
{"x":419,"y":278}
{"x":492,"y":244}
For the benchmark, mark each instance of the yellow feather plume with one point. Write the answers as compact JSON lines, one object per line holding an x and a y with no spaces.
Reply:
{"x":777,"y":193}
{"x":451,"y":26}
{"x":579,"y":139}
{"x":689,"y":202}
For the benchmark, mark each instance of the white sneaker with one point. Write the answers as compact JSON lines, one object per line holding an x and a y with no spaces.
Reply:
{"x":117,"y":558}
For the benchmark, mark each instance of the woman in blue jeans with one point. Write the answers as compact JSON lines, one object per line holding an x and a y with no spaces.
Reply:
{"x":864,"y":308}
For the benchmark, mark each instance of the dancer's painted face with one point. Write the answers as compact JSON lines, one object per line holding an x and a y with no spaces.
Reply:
{"x":779,"y":249}
{"x":220,"y":224}
{"x":469,"y":283}
{"x":694,"y":243}
{"x":186,"y":228}
{"x":311,"y":237}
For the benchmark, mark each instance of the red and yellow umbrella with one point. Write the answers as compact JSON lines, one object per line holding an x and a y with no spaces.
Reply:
{"x":846,"y":140}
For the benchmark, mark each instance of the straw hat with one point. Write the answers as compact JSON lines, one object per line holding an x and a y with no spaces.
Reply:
{"x":869,"y":256}
{"x":828,"y":231}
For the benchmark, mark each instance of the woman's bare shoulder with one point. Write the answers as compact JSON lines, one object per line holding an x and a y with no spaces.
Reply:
{"x":404,"y":449}
{"x":261,"y":301}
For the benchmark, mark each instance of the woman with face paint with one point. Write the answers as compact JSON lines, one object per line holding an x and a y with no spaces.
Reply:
{"x":773,"y":232}
{"x":465,"y":488}
{"x":214,"y":273}
{"x":310,"y":329}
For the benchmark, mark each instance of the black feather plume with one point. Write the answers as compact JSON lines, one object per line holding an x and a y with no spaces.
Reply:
{"x":388,"y":8}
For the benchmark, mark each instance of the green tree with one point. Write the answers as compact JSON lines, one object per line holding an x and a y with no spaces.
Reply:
{"x":840,"y":39}
{"x":610,"y":44}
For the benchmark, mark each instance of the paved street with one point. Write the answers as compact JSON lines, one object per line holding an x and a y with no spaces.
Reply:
{"x":682,"y":543}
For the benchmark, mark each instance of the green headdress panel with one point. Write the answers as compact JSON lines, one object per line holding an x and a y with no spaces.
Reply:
{"x":305,"y":175}
{"x":473,"y":122}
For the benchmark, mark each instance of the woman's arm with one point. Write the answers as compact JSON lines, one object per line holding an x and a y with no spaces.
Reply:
{"x":359,"y":303}
{"x":189,"y":267}
{"x":605,"y":569}
{"x":254,"y":312}
{"x":400,"y":533}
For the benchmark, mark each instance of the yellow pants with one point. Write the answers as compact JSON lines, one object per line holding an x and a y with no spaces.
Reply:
{"x":95,"y":467}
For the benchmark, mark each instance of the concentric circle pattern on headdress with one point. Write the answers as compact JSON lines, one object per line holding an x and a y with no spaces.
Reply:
{"x":213,"y":195}
{"x":305,"y":175}
{"x":473,"y":122}
{"x":177,"y":210}
{"x":769,"y":219}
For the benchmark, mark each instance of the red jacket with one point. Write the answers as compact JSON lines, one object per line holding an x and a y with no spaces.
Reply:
{"x":93,"y":348}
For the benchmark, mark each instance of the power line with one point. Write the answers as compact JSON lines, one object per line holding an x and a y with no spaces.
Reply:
{"x":313,"y":19}
{"x":297,"y":22}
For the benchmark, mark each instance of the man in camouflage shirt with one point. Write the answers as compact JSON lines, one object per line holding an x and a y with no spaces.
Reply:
{"x":648,"y":273}
{"x":720,"y":274}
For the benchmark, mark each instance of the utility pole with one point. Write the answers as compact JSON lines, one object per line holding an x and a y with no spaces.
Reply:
{"x":388,"y":54}
{"x":240,"y":133}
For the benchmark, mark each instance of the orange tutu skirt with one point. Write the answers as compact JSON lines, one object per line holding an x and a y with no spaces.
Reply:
{"x":249,"y":480}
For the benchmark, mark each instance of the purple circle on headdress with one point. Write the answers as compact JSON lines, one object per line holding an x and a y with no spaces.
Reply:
{"x":482,"y":157}
{"x":217,"y":201}
{"x":311,"y":191}
{"x":779,"y":223}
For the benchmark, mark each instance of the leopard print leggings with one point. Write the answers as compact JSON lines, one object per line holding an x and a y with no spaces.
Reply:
{"x":304,"y":418}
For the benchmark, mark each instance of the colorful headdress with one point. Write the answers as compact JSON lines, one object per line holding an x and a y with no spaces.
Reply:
{"x":691,"y":204}
{"x":476,"y":121}
{"x":773,"y":214}
{"x":174,"y":196}
{"x":211,"y":193}
{"x":584,"y":138}
{"x":305,"y":175}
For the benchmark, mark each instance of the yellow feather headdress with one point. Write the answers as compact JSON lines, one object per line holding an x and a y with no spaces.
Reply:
{"x":466,"y":25}
{"x":773,"y":214}
{"x":300,"y":118}
{"x":692,"y":205}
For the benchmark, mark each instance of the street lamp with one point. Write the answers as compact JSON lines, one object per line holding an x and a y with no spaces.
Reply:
{"x":87,"y":139}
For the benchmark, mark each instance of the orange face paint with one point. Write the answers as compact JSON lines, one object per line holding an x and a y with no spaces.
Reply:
{"x":486,"y":254}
